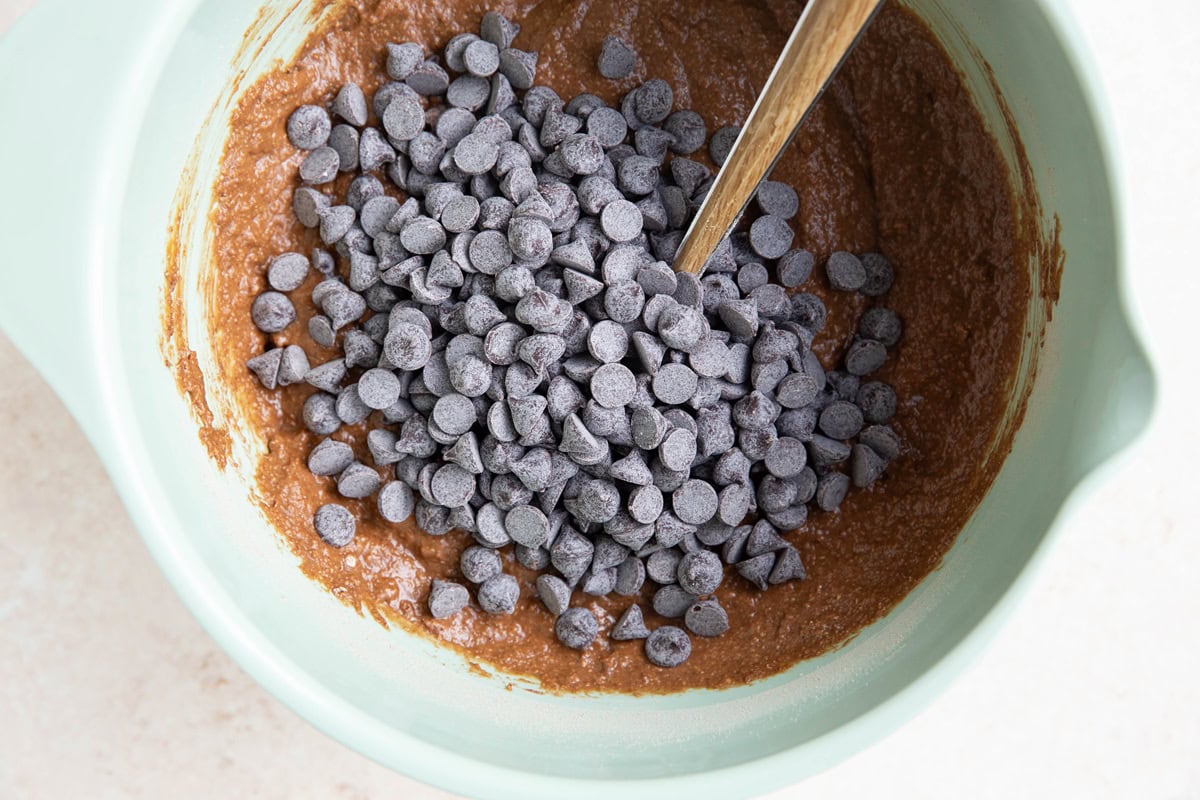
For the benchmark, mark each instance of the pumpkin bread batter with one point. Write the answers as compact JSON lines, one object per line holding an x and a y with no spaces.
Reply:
{"x":895,"y":159}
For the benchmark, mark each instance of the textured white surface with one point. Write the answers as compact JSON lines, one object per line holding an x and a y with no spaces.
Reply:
{"x":108,"y":688}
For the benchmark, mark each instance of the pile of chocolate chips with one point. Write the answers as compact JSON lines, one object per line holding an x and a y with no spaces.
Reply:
{"x":528,"y":367}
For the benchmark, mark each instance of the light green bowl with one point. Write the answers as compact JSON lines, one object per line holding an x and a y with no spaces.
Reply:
{"x":102,"y":102}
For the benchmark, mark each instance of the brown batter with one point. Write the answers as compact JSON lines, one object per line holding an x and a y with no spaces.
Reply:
{"x":895,"y":158}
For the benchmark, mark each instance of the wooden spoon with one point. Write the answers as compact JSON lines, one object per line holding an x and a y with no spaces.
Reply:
{"x":820,"y":42}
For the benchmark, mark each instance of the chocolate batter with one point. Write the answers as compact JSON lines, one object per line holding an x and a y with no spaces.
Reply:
{"x":895,"y":158}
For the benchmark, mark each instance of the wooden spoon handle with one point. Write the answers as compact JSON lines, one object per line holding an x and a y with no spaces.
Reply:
{"x":820,"y":42}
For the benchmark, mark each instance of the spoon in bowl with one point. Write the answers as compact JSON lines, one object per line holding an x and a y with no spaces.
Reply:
{"x":820,"y":42}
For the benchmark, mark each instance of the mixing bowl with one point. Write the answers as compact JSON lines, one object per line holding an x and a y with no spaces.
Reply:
{"x":104,"y":102}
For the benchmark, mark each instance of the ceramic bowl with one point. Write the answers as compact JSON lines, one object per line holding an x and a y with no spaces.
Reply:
{"x":104,"y":101}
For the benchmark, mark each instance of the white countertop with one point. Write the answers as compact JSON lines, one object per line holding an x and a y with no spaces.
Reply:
{"x":108,"y":687}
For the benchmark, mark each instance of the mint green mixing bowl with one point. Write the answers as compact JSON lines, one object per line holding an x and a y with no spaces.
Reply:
{"x":103,"y":102}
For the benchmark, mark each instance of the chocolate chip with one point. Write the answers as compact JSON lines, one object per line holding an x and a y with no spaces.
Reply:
{"x":672,"y":601}
{"x":427,"y":79}
{"x":707,"y":618}
{"x":663,"y":565}
{"x":824,"y":452}
{"x":882,"y":439}
{"x":554,"y":593}
{"x":599,"y":582}
{"x":330,"y":457}
{"x":272,"y":312}
{"x":637,"y":175}
{"x":530,"y":239}
{"x":865,"y":356}
{"x":308,"y":127}
{"x":481,"y":58}
{"x":576,"y":628}
{"x":694,"y":502}
{"x":489,"y":252}
{"x":877,"y":401}
{"x":320,"y":412}
{"x":700,"y":572}
{"x":808,"y":310}
{"x":475,"y":154}
{"x":407,"y":346}
{"x":652,"y":142}
{"x":453,"y":486}
{"x":687,"y":130}
{"x":498,"y":29}
{"x":616,"y":59}
{"x":624,"y":301}
{"x":841,"y":420}
{"x":350,"y":104}
{"x":674,"y":384}
{"x":668,"y":647}
{"x":721,"y":143}
{"x":379,"y":388}
{"x":866,"y":466}
{"x":265,"y":367}
{"x":613,"y":385}
{"x":403,"y":118}
{"x":334,"y":524}
{"x":631,"y":574}
{"x":446,"y":599}
{"x":734,"y":503}
{"x":831,"y":491}
{"x":795,"y":267}
{"x":770,"y":236}
{"x":796,"y":390}
{"x":518,"y":66}
{"x":499,"y":594}
{"x":583,"y":154}
{"x":423,"y":235}
{"x":678,"y":449}
{"x":454,"y":413}
{"x":757,"y":569}
{"x":489,"y":526}
{"x":750,"y":277}
{"x":395,"y":501}
{"x":786,"y":458}
{"x":845,"y":272}
{"x":307,"y":202}
{"x":630,"y":625}
{"x":478,"y":564}
{"x":327,"y":376}
{"x":880,"y":324}
{"x":402,"y":59}
{"x":879,"y":275}
{"x":621,"y":221}
{"x":653,"y":100}
{"x":597,"y":501}
{"x":787,"y":567}
{"x":778,"y":199}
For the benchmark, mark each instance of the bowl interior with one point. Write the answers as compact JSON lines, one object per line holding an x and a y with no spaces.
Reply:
{"x":417,"y":707}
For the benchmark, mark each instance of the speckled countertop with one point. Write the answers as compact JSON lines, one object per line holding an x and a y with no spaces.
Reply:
{"x":108,"y":687}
